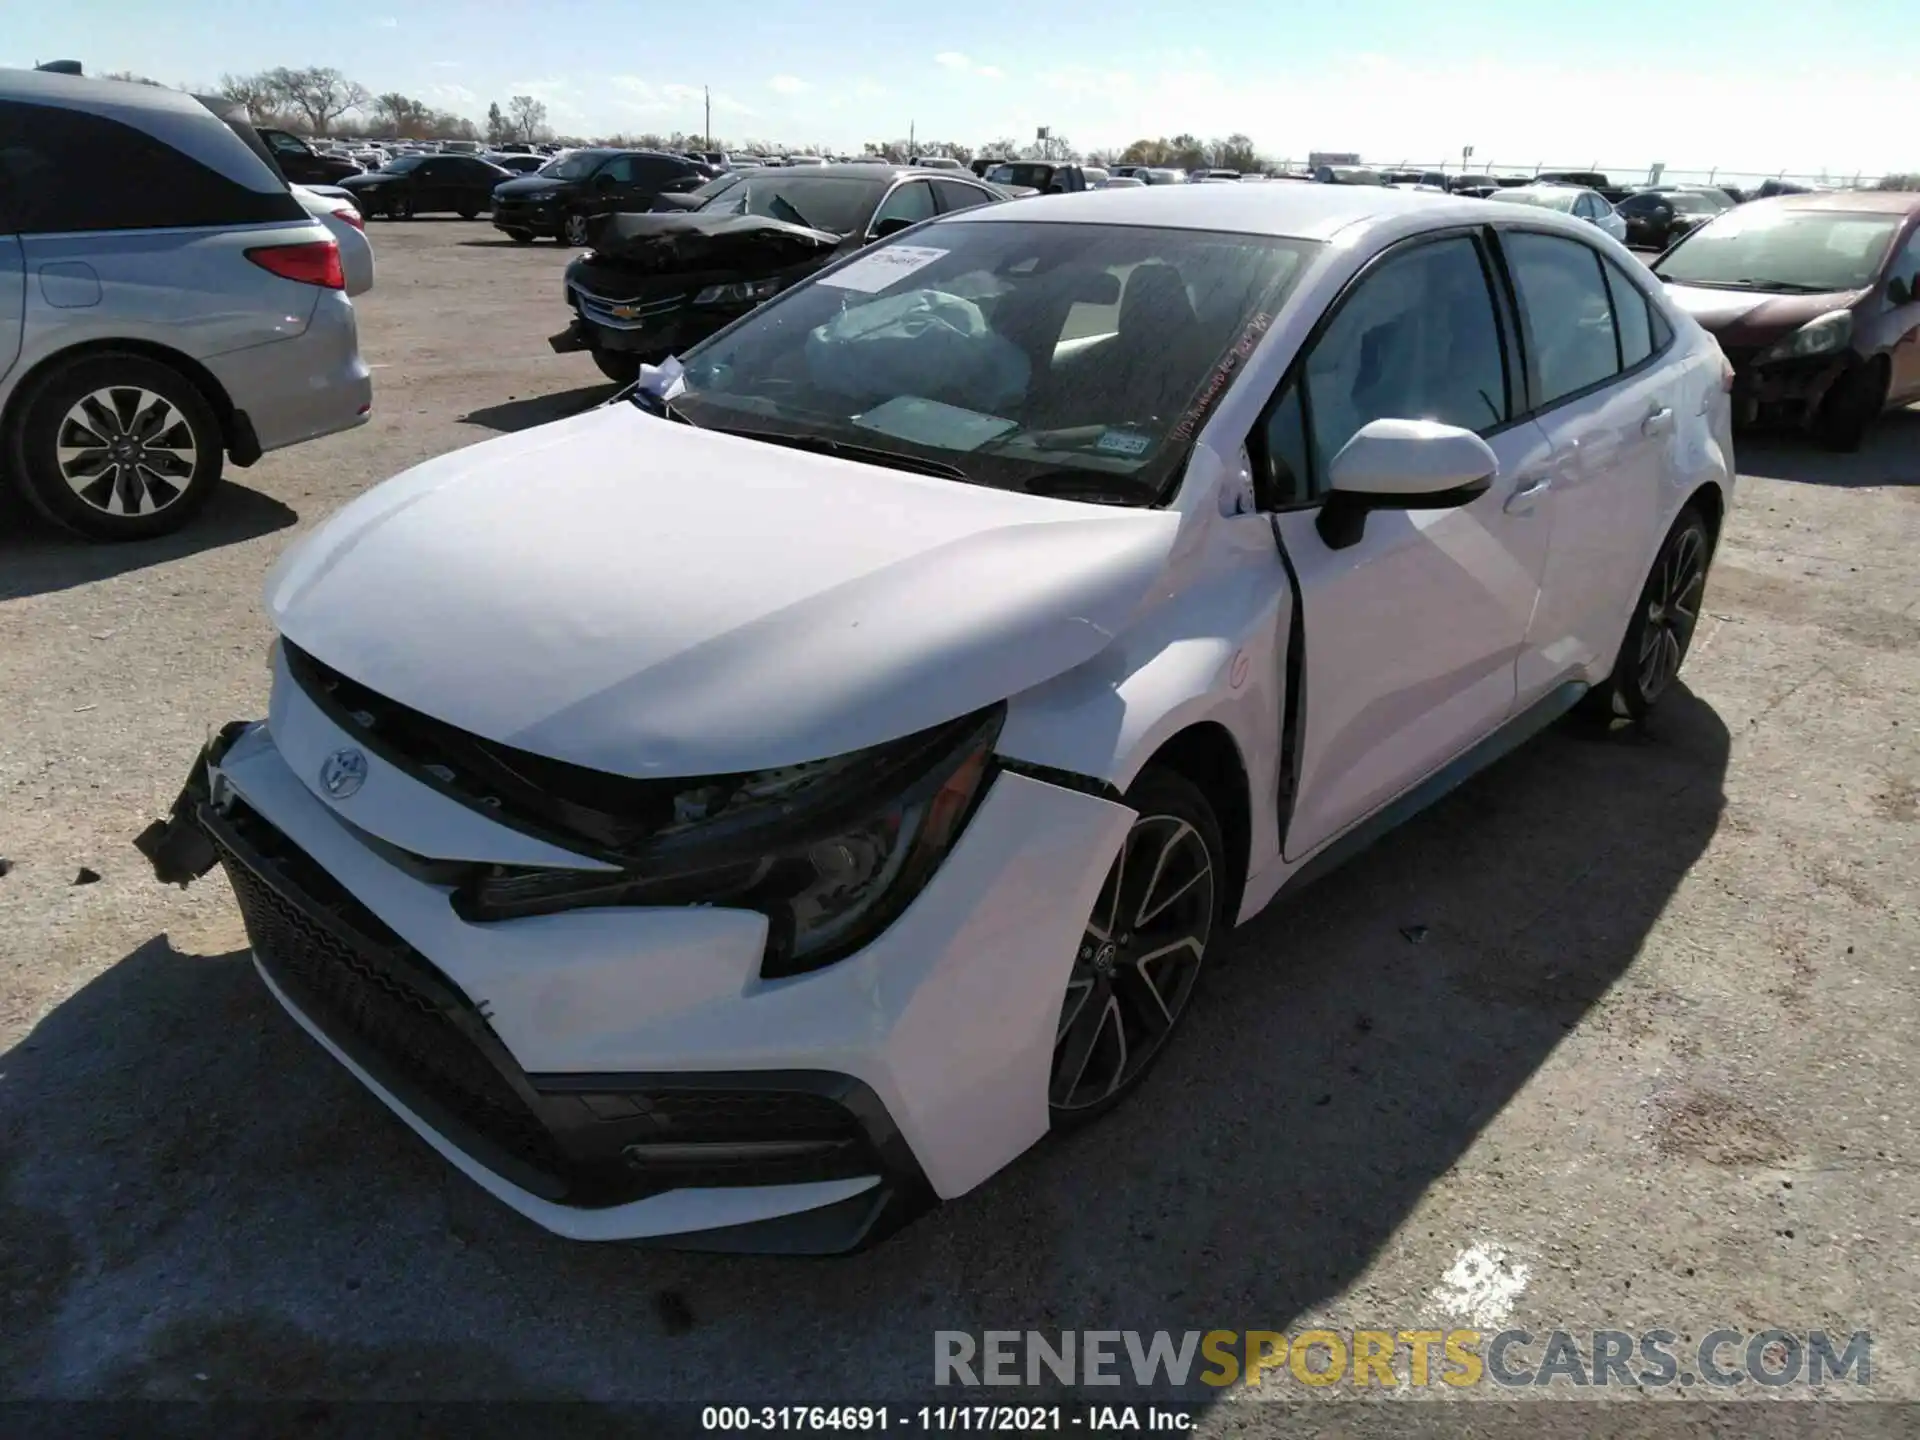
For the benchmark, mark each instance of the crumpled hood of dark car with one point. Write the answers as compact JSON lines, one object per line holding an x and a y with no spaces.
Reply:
{"x":1753,"y":317}
{"x":680,"y":242}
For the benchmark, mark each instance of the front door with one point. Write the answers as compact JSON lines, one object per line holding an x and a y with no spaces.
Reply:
{"x":1412,"y":633}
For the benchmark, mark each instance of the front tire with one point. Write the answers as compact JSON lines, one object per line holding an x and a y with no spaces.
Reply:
{"x":117,"y":447}
{"x":1658,"y":637}
{"x":470,"y":213}
{"x":620,"y":366}
{"x":400,"y":208}
{"x":520,"y":237}
{"x":574,"y":232}
{"x":1140,"y":958}
{"x":1849,"y":409}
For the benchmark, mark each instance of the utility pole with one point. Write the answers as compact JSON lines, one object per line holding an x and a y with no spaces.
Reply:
{"x":707,"y":95}
{"x":912,"y":139}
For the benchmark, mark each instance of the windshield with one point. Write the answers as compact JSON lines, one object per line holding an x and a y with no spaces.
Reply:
{"x":576,"y":166}
{"x":1810,"y":251}
{"x":1545,"y":199}
{"x":839,"y":203}
{"x":1059,"y":359}
{"x":404,"y":163}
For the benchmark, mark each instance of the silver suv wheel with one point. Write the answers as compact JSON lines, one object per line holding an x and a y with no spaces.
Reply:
{"x":124,"y":450}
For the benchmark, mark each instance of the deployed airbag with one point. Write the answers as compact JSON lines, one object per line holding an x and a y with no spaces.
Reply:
{"x":925,"y":342}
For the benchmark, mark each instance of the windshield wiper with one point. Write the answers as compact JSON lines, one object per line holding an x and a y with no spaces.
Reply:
{"x":845,"y":450}
{"x":1787,"y":287}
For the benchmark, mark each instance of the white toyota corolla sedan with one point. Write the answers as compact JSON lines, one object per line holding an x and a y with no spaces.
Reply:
{"x":760,"y":807}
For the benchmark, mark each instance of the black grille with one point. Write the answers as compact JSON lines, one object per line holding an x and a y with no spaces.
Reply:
{"x":354,"y":987}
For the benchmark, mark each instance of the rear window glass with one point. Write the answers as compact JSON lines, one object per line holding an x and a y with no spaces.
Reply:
{"x":69,"y":170}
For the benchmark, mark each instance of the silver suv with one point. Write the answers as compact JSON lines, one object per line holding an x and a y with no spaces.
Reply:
{"x":165,"y":305}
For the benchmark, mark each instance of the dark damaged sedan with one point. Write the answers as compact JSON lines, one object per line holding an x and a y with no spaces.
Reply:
{"x":655,"y":284}
{"x":1816,"y":301}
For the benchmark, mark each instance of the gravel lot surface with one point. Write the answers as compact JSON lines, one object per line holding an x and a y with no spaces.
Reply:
{"x":1622,"y":1035}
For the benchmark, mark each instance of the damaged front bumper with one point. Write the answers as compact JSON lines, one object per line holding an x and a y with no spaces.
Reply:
{"x":1784,"y":392}
{"x":626,"y":1073}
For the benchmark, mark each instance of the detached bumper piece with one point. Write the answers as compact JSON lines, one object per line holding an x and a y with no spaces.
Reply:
{"x":584,"y":1141}
{"x":177,"y":847}
{"x":574,"y":337}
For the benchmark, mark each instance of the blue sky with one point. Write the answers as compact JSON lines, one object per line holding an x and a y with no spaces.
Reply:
{"x":1748,"y":85}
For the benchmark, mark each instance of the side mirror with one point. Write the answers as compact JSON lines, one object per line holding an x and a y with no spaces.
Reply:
{"x":892,"y":225}
{"x":1900,"y":291}
{"x":1402,"y":465}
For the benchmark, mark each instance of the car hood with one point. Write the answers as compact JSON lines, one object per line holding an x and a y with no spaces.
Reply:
{"x":1753,"y":317}
{"x":649,"y":599}
{"x":531,"y":185}
{"x":683,"y":242}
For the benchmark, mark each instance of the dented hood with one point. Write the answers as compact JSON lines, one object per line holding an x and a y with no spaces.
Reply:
{"x":698,"y":240}
{"x":649,"y":599}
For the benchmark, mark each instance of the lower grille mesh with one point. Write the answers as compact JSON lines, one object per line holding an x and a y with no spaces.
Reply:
{"x":343,"y":989}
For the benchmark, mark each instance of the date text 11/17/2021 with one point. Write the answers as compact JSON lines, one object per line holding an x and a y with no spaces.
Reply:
{"x":940,"y":1419}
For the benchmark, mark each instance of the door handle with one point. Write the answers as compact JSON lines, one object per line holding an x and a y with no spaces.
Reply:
{"x":1659,"y":420}
{"x":1529,"y":489}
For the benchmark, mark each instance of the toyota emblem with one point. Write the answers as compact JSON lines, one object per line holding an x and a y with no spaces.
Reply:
{"x":343,"y":774}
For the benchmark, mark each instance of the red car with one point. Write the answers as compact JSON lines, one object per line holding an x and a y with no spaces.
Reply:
{"x":1816,"y":301}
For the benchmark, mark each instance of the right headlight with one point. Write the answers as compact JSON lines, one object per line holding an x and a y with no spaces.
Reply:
{"x":830,"y":871}
{"x":1817,"y":337}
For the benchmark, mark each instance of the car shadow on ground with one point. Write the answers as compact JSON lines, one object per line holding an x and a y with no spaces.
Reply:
{"x":200,"y":1202}
{"x":501,"y":242}
{"x":524,"y":414}
{"x":1890,"y":456}
{"x":36,"y":558}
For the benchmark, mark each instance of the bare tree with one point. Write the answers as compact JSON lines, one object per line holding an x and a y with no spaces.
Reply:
{"x":135,"y":79}
{"x":256,"y":92}
{"x":319,"y":93}
{"x":403,"y":116}
{"x":526,"y":117}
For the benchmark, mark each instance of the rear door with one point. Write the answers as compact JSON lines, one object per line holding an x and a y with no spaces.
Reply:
{"x":1605,"y":392}
{"x":1411,"y":632}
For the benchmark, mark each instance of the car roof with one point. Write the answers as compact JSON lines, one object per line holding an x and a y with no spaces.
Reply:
{"x":1305,"y":212}
{"x":1874,"y":202}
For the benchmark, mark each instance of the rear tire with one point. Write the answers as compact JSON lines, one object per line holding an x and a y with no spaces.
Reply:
{"x":1661,"y":631}
{"x":1141,"y":957}
{"x":1849,"y":409}
{"x":620,"y":366}
{"x":116,"y":447}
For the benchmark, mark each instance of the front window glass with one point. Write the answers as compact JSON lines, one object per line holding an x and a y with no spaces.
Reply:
{"x":1569,"y":313}
{"x":1064,"y":359}
{"x":1805,"y":251}
{"x":1417,"y":340}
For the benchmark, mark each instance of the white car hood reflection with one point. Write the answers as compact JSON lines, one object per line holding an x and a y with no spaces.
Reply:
{"x":647,"y":598}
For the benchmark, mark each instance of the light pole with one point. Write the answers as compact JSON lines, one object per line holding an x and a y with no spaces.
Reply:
{"x":707,"y":96}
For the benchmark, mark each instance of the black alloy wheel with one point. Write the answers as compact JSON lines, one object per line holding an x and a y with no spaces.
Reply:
{"x":1662,"y":627}
{"x":1141,"y":955}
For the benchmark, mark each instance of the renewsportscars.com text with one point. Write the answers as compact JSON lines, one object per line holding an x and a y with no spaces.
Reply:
{"x":1513,"y":1359}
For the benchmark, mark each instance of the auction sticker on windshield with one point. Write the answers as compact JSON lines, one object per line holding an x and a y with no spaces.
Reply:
{"x":874,"y":272}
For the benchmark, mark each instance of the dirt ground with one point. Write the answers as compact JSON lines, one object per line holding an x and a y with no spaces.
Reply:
{"x":1622,"y":1035}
